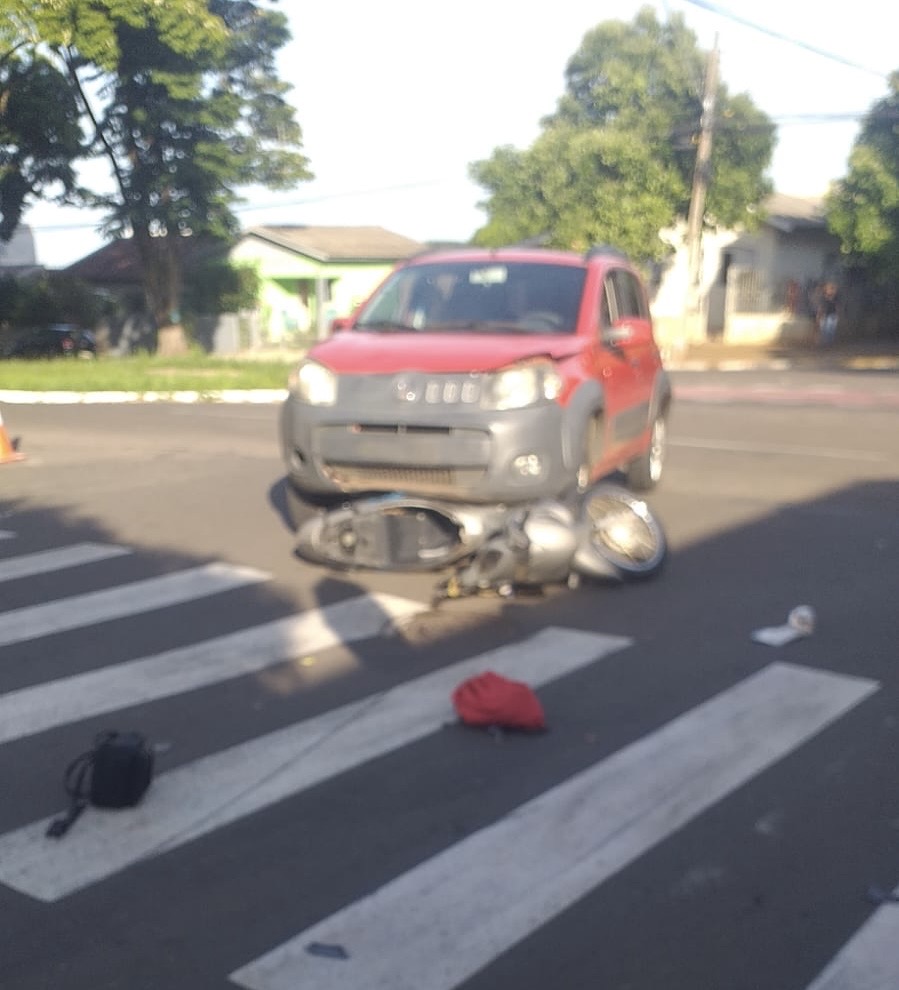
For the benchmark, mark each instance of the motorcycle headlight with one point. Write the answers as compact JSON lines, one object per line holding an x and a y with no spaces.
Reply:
{"x":314,"y":383}
{"x":522,"y":385}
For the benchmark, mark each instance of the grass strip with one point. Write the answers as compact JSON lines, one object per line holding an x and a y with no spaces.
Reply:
{"x":143,"y":373}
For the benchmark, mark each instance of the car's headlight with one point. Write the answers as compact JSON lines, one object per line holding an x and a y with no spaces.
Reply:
{"x":522,"y":385}
{"x":314,"y":383}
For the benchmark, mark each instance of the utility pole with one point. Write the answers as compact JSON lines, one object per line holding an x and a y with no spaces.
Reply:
{"x":700,"y":185}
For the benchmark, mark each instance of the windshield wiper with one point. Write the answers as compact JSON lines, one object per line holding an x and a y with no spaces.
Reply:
{"x":478,"y":326}
{"x":390,"y":326}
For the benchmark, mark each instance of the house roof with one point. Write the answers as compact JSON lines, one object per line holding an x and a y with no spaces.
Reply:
{"x":789,"y":213}
{"x":115,"y":262}
{"x":118,"y":263}
{"x":339,"y":243}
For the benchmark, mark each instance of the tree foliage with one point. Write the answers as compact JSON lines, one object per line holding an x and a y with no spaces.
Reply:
{"x":48,"y":298}
{"x":40,"y":135}
{"x":615,"y":162}
{"x":217,"y":286}
{"x":577,"y":187}
{"x":91,"y":27}
{"x":183,"y":100}
{"x":863,"y":208}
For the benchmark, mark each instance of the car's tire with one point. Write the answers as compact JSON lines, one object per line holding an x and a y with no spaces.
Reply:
{"x":620,"y":536}
{"x":645,"y":472}
{"x":301,"y":505}
{"x":298,"y":509}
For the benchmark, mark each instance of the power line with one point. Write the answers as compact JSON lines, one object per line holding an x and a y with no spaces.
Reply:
{"x":729,"y":15}
{"x":281,"y":204}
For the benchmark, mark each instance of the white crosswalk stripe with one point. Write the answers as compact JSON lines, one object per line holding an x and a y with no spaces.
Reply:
{"x":869,"y":960}
{"x":78,"y":611}
{"x":47,"y":561}
{"x":6,"y":534}
{"x":449,"y":917}
{"x":60,"y":702}
{"x":219,"y":789}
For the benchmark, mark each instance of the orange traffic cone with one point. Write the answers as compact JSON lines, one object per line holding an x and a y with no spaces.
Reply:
{"x":8,"y":450}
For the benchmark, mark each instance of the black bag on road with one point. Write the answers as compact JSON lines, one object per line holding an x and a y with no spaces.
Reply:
{"x":114,"y":774}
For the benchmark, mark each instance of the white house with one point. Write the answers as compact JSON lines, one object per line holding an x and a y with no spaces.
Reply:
{"x":19,"y":256}
{"x":308,"y":275}
{"x":754,"y":287}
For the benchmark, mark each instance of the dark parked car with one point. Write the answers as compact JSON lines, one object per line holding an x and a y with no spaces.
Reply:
{"x":505,"y":375}
{"x":56,"y":340}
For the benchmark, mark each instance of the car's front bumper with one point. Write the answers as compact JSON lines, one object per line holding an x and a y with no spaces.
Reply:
{"x":449,"y":451}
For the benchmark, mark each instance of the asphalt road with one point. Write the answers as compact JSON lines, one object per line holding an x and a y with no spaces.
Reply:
{"x":705,"y":812}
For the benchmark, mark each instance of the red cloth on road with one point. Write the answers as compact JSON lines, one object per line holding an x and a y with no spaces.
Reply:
{"x":490,"y":699}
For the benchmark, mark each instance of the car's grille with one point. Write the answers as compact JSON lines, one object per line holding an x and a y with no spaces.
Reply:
{"x":411,"y":389}
{"x":420,"y":479}
{"x":400,"y":430}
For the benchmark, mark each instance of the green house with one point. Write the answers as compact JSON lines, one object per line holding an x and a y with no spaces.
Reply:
{"x":311,"y":275}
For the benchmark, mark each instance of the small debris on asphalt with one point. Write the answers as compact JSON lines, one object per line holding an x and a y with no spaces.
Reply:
{"x":800,"y":623}
{"x":328,"y":951}
{"x":877,"y":895}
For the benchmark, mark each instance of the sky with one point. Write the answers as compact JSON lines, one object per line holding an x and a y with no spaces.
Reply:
{"x":397,"y":99}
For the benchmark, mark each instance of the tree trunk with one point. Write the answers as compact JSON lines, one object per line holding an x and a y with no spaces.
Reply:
{"x":161,"y":262}
{"x":171,"y":340}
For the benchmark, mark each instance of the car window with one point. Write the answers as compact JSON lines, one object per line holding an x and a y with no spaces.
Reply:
{"x":605,"y":306}
{"x":489,"y":295}
{"x":386,"y":305}
{"x":629,"y":300}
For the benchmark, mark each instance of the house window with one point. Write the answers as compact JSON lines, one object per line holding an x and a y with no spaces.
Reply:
{"x":751,"y":293}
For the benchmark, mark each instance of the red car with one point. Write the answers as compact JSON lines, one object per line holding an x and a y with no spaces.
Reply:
{"x":484,"y":376}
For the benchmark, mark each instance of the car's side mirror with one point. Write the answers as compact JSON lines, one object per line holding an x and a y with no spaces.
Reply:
{"x":341,"y":323}
{"x":618,"y":334}
{"x":625,"y":332}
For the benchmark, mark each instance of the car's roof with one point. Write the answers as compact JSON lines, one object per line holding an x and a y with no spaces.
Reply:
{"x":520,"y":255}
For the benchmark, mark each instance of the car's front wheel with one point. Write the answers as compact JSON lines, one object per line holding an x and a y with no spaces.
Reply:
{"x":645,"y":471}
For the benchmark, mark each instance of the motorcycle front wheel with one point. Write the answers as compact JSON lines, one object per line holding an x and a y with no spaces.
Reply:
{"x":620,"y":537}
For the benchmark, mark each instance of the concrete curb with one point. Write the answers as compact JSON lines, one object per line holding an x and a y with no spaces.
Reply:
{"x":232,"y":396}
{"x":776,"y":364}
{"x":889,"y":364}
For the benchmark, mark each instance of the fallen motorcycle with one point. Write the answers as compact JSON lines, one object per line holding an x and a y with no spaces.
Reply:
{"x":606,"y":533}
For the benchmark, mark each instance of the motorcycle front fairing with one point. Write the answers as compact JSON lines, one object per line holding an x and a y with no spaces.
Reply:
{"x":397,"y":532}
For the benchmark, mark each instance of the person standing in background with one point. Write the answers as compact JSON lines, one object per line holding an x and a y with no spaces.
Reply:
{"x":828,"y":313}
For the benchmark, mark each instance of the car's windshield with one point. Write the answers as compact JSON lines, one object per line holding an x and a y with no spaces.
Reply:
{"x":472,"y":296}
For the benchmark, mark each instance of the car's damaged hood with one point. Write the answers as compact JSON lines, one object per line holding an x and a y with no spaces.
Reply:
{"x":353,"y":352}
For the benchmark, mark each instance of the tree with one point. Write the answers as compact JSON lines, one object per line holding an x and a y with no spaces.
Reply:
{"x":40,"y":137}
{"x":184,"y":102}
{"x":47,"y":298}
{"x":615,"y":162}
{"x":580,"y":187}
{"x":863,"y":208}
